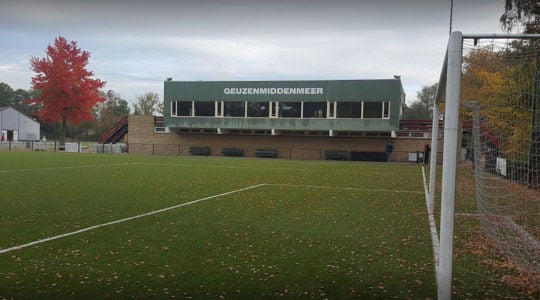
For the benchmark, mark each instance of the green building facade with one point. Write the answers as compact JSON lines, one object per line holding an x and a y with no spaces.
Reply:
{"x":324,"y":107}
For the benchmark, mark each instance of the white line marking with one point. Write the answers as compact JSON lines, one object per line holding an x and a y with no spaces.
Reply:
{"x":63,"y":168}
{"x":125,"y":219}
{"x":432,"y":226}
{"x":179,"y":165}
{"x":343,"y":188}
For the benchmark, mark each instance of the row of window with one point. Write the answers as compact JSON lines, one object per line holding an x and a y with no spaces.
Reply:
{"x":271,"y":109}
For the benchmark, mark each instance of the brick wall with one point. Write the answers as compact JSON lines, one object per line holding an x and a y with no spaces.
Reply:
{"x":143,"y":140}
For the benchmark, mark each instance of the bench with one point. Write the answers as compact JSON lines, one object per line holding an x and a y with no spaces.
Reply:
{"x":199,"y":151}
{"x":233,"y":152}
{"x":268,"y":153}
{"x":336,"y":155}
{"x":368,"y":156}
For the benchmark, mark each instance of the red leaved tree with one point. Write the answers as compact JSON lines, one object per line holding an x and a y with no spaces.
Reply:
{"x":68,"y":91}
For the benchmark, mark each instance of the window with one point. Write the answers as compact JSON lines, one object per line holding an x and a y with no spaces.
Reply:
{"x":258,"y":109}
{"x":349,"y":109}
{"x":173,"y":109}
{"x":315,"y":109}
{"x":184,"y":108}
{"x":205,"y":109}
{"x":372,"y":110}
{"x":290,"y":109}
{"x":234,"y":109}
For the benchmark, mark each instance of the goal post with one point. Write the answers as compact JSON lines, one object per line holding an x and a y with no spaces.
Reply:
{"x":509,"y":93}
{"x":448,"y":188}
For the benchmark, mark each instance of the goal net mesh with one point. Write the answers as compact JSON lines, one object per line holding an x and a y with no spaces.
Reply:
{"x":500,"y":92}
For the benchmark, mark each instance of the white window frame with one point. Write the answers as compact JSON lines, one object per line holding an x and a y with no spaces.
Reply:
{"x":219,"y":107}
{"x":386,"y":104}
{"x":273,"y":109}
{"x":331,"y":109}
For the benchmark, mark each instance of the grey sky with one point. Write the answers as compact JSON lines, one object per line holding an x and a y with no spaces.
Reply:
{"x":135,"y":45}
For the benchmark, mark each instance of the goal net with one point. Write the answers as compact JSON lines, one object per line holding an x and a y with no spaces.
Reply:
{"x":497,"y":90}
{"x":501,"y":81}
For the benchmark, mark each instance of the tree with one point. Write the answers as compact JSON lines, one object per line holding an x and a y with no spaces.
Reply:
{"x":7,"y":95}
{"x":146,"y":104}
{"x":68,"y":91}
{"x":16,"y":98}
{"x":110,"y":111}
{"x":422,"y":108}
{"x":521,"y":12}
{"x":497,"y":83}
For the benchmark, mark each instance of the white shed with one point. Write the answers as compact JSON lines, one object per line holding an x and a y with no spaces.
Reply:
{"x":16,"y":126}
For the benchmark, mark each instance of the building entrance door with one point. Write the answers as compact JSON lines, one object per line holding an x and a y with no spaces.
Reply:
{"x":10,"y":135}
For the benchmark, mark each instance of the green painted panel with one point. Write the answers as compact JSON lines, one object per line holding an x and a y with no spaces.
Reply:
{"x":317,"y":90}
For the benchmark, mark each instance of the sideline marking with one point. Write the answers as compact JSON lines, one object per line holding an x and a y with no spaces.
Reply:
{"x":125,"y":219}
{"x":432,"y":226}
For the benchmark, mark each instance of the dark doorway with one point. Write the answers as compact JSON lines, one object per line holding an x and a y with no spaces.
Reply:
{"x":9,"y":137}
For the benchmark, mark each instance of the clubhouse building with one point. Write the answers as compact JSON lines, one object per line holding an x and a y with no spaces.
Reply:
{"x":285,"y":119}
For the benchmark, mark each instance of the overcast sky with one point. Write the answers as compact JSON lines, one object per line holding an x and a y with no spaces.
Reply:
{"x":135,"y":45}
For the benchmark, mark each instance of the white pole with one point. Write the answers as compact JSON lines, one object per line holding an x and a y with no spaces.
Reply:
{"x":448,"y":192}
{"x":433,"y":158}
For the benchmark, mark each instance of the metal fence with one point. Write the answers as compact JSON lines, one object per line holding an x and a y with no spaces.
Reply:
{"x":184,"y":150}
{"x":68,"y":147}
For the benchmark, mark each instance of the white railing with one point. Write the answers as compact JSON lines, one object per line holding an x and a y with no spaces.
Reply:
{"x":69,"y":147}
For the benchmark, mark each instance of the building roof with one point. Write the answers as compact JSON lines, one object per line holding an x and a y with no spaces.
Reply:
{"x":2,"y":108}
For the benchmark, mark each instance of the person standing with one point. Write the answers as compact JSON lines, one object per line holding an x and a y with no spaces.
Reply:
{"x":427,"y":150}
{"x":389,"y":149}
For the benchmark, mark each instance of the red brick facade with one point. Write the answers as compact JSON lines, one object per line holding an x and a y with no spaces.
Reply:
{"x":143,"y":140}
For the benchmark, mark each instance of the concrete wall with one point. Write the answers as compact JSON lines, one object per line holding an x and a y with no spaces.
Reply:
{"x":142,"y":140}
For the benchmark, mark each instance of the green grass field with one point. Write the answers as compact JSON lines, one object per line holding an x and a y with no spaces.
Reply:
{"x":311,"y":229}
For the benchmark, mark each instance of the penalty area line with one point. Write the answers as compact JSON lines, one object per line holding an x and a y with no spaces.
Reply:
{"x":126,"y":219}
{"x":343,"y":188}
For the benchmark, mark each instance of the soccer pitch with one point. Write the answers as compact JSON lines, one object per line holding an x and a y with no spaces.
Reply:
{"x":122,"y":226}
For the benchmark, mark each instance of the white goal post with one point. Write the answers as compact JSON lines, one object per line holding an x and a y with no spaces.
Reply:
{"x":448,"y":98}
